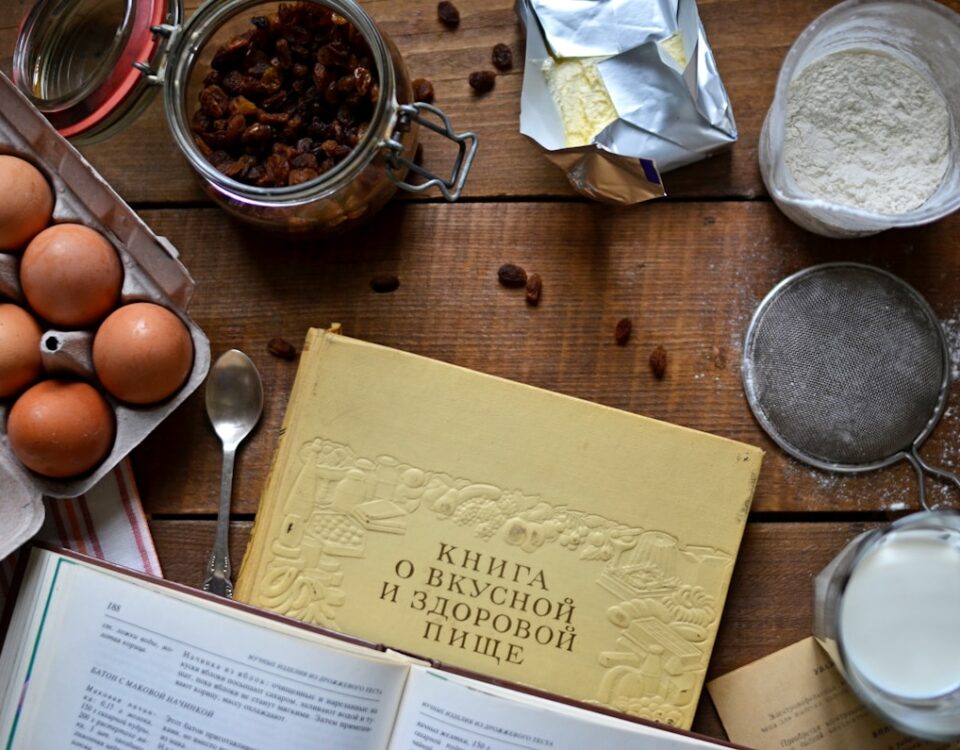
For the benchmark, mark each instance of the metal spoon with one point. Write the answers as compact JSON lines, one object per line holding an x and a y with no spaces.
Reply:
{"x":234,"y":403}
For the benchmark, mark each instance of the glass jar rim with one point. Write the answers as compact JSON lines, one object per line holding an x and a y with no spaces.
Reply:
{"x":192,"y":39}
{"x":117,"y":86}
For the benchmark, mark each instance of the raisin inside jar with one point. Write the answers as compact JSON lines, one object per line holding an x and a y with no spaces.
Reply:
{"x":287,"y":100}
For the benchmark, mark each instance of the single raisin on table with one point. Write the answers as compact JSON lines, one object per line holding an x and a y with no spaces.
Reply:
{"x":658,"y":362}
{"x":384,"y":283}
{"x":512,"y":276}
{"x":281,"y":348}
{"x":534,"y":289}
{"x":448,"y":14}
{"x":423,"y":91}
{"x":621,"y":334}
{"x":482,"y":81}
{"x":719,"y":357}
{"x":502,"y":57}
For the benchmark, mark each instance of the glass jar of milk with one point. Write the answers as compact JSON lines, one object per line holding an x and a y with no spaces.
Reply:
{"x":887,"y":609}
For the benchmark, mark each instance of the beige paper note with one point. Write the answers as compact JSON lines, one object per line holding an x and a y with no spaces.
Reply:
{"x":797,"y":699}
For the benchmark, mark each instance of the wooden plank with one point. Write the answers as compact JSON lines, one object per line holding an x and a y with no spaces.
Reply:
{"x":769,"y":605}
{"x":749,"y":40}
{"x":689,"y":275}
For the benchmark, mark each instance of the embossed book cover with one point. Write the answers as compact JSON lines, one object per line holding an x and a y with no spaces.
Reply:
{"x":500,"y":528}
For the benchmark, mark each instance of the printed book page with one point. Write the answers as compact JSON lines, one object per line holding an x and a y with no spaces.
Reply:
{"x":114,"y":662}
{"x":449,"y":712}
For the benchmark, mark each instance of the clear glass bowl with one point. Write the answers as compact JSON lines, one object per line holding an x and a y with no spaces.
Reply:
{"x":921,"y":33}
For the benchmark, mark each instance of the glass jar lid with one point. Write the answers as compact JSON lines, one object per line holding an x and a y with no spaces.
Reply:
{"x":86,"y":63}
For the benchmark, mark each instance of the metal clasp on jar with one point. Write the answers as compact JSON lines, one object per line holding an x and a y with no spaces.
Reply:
{"x":398,"y":165}
{"x":154,"y":74}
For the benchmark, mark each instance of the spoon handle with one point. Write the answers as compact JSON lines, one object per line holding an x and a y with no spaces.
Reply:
{"x":219,"y":574}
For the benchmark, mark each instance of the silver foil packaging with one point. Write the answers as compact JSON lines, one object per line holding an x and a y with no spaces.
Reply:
{"x":667,"y":105}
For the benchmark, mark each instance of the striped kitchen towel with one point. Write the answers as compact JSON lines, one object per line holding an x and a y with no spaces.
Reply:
{"x":107,"y":522}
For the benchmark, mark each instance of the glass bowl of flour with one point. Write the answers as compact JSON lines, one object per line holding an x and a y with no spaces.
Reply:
{"x":864,"y":130}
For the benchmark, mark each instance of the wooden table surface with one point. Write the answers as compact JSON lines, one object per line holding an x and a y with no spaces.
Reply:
{"x":689,"y":270}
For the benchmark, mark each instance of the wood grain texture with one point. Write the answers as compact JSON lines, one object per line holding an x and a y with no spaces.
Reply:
{"x":689,"y":273}
{"x":689,"y":276}
{"x":749,"y":40}
{"x":769,"y":605}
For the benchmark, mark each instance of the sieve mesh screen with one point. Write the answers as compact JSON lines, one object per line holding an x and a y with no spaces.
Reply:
{"x":845,"y":364}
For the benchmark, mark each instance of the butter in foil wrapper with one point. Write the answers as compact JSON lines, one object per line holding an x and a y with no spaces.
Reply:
{"x":620,"y":91}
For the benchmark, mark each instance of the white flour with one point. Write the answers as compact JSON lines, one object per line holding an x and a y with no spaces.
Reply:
{"x":866,"y":130}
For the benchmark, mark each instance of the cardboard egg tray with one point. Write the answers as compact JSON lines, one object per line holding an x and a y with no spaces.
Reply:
{"x":152,"y":273}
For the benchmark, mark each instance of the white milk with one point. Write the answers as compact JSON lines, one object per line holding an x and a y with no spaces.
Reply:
{"x":900,"y":614}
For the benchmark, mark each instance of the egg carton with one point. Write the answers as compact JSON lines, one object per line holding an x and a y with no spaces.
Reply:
{"x":152,"y":273}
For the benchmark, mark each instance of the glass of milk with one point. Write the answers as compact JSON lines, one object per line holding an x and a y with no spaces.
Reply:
{"x":887,"y":610}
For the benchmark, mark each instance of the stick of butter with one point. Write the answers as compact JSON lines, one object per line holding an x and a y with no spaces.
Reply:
{"x":582,"y":99}
{"x":673,"y":46}
{"x":581,"y":96}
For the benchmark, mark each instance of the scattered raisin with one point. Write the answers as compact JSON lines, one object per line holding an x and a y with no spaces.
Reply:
{"x":385,"y":283}
{"x":621,"y":334}
{"x":534,"y":289}
{"x":282,"y":348}
{"x":423,"y":91}
{"x":512,"y":276}
{"x":502,"y":57}
{"x":719,"y":357}
{"x":482,"y":81}
{"x":658,"y":362}
{"x":448,"y":14}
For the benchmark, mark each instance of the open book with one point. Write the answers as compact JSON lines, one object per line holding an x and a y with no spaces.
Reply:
{"x":96,"y":657}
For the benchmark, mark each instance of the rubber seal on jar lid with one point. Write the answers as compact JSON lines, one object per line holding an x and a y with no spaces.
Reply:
{"x":77,"y":61}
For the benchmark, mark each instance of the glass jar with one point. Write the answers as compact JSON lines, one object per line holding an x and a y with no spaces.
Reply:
{"x":922,"y":34}
{"x":887,"y":610}
{"x":92,"y":69}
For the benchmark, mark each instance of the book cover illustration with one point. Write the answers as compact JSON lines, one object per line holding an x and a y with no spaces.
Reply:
{"x":607,"y":589}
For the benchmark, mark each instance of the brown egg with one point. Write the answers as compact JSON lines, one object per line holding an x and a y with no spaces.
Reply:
{"x":60,"y":428}
{"x":71,"y":275}
{"x":20,"y":362}
{"x":26,"y":202}
{"x":142,"y":353}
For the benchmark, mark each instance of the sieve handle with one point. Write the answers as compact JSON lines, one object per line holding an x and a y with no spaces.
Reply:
{"x":921,"y":466}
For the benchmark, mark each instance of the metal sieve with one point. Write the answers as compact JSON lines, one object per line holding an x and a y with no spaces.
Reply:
{"x":847,"y":368}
